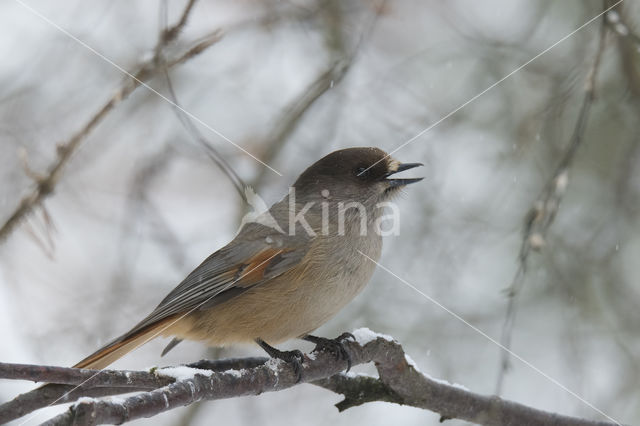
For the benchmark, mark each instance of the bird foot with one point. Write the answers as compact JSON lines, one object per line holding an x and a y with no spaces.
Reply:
{"x":334,"y":346}
{"x":294,"y":357}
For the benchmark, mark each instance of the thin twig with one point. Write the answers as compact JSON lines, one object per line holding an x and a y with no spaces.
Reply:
{"x":629,"y":45}
{"x":293,"y":113}
{"x":46,"y":183}
{"x":76,"y":376}
{"x":170,"y":34}
{"x":190,"y":127}
{"x":211,"y":151}
{"x":341,"y":60}
{"x":541,"y":215}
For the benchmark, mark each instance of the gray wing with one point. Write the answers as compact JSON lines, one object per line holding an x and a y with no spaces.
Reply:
{"x":257,"y":254}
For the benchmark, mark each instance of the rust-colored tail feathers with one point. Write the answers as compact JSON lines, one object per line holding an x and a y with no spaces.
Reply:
{"x":121,"y":346}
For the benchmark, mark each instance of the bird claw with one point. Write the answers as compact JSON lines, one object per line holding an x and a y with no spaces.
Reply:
{"x":294,"y":357}
{"x":334,"y":346}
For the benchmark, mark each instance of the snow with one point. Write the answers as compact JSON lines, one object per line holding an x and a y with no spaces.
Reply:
{"x":116,"y":399}
{"x":444,"y":382}
{"x":353,"y":375}
{"x":183,"y":372}
{"x":412,"y":363}
{"x":364,"y":335}
{"x":273,"y":364}
{"x":85,"y":400}
{"x":166,"y":400}
{"x":235,"y":373}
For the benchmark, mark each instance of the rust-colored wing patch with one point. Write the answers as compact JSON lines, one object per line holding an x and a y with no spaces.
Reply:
{"x":256,"y":268}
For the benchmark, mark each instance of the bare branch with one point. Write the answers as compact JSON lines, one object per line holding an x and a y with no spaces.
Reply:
{"x":291,"y":116}
{"x":399,"y":381}
{"x":170,"y":34}
{"x":341,"y":60}
{"x":46,"y":183}
{"x":75,"y":376}
{"x":541,"y":215}
{"x":69,"y":384}
{"x":188,"y":124}
{"x":197,"y":48}
{"x":211,"y":151}
{"x":358,"y":390}
{"x":629,"y":45}
{"x":54,"y":394}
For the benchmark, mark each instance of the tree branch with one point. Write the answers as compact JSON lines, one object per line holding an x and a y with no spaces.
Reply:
{"x":341,"y":60}
{"x":358,"y":389}
{"x":542,"y":213}
{"x":45,"y":184}
{"x":629,"y":45}
{"x":399,"y":382}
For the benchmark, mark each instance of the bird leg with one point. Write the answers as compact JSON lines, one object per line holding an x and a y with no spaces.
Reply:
{"x":294,"y":357}
{"x":334,"y":346}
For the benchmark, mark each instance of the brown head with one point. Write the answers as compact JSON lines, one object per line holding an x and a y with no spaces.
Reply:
{"x":355,"y":173}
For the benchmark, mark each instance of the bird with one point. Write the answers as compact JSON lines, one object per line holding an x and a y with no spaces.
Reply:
{"x":288,"y":271}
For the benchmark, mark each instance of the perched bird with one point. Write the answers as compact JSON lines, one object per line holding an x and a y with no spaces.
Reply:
{"x":285,"y":273}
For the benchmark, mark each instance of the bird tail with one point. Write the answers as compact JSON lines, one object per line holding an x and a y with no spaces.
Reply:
{"x":124,"y":344}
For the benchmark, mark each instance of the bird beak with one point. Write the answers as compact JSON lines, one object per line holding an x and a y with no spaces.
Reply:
{"x":401,"y":168}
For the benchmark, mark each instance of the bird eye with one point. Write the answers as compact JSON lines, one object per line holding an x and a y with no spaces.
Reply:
{"x":363,"y":172}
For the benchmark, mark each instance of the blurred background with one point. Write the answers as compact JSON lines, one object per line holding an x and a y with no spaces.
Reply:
{"x":139,"y":203}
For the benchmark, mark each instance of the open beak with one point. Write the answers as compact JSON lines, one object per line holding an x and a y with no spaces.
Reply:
{"x":400,"y":181}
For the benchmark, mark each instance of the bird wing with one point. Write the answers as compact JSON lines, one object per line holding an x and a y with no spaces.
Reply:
{"x":257,"y":254}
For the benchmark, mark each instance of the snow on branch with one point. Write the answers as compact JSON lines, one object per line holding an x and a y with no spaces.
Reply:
{"x":399,"y":381}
